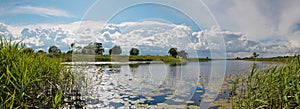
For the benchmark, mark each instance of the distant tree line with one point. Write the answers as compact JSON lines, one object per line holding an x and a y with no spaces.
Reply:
{"x":97,"y":48}
{"x":92,"y":48}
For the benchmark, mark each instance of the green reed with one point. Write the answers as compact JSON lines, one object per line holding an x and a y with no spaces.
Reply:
{"x":30,"y":80}
{"x":273,"y":88}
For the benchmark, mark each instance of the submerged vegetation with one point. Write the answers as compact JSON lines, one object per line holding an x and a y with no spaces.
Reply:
{"x":275,"y":87}
{"x":31,"y":80}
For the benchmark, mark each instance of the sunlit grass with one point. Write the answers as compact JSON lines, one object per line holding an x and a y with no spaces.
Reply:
{"x":29,"y":80}
{"x":274,"y":87}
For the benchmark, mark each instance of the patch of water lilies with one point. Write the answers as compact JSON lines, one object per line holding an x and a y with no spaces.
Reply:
{"x":118,"y":87}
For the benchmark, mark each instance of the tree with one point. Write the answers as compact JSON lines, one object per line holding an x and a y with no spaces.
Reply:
{"x":70,"y":52}
{"x":54,"y":49}
{"x":77,"y":50}
{"x":99,"y":48}
{"x":41,"y":51}
{"x":93,"y":48}
{"x":173,"y":52}
{"x":89,"y":49}
{"x":28,"y":50}
{"x":72,"y":45}
{"x":255,"y":55}
{"x":134,"y":51}
{"x":115,"y":50}
{"x":183,"y":54}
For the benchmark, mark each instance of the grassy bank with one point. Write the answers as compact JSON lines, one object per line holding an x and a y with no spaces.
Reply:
{"x":274,"y":87}
{"x":123,"y":58}
{"x":272,"y":59}
{"x":29,"y":80}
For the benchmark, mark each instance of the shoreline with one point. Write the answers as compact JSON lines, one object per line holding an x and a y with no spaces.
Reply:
{"x":114,"y":63}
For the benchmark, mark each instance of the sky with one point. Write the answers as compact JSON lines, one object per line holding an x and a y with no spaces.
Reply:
{"x":22,"y":12}
{"x":269,"y":27}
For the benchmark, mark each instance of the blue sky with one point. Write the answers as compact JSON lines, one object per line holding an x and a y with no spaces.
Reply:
{"x":26,"y":12}
{"x":22,"y":12}
{"x":271,"y":24}
{"x":154,"y":12}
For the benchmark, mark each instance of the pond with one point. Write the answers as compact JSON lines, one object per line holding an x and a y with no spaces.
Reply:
{"x":150,"y":85}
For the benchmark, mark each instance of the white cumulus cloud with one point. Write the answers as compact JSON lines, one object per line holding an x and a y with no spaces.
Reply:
{"x":151,"y":37}
{"x":4,"y":32}
{"x":259,"y":19}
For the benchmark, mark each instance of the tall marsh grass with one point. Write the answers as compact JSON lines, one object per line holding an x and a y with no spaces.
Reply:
{"x":273,"y":88}
{"x":29,"y":80}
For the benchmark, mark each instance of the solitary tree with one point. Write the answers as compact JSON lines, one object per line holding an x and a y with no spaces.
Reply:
{"x":115,"y":50}
{"x":72,"y":45}
{"x":255,"y":55}
{"x":134,"y":51}
{"x":54,"y":49}
{"x":183,"y":54}
{"x":173,"y":52}
{"x":99,"y":48}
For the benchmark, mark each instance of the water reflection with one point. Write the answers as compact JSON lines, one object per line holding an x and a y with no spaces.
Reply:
{"x":114,"y":68}
{"x":144,"y":85}
{"x":133,"y":68}
{"x":173,"y":76}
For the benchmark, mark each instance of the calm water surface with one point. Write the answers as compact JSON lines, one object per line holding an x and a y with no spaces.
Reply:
{"x":150,"y":85}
